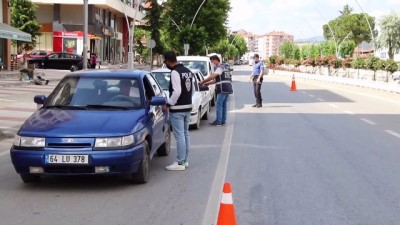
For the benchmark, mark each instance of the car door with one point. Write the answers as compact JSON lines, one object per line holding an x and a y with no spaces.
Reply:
{"x":157,"y":116}
{"x":52,"y":61}
{"x":206,"y":96}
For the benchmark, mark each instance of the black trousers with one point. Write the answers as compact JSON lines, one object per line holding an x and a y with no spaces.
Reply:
{"x":257,"y":90}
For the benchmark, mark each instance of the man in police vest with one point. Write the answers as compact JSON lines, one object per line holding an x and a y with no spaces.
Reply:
{"x":223,"y":87}
{"x":179,"y":105}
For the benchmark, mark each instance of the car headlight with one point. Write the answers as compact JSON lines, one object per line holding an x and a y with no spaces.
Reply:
{"x":38,"y":142}
{"x":114,"y":142}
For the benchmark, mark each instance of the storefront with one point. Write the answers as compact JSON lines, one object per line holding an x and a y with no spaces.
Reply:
{"x":73,"y":42}
{"x":8,"y":32}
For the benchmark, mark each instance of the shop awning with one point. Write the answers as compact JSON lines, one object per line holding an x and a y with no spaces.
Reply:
{"x":9,"y":32}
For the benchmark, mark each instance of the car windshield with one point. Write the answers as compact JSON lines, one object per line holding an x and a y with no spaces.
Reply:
{"x":96,"y":93}
{"x":163,"y":79}
{"x":200,"y":65}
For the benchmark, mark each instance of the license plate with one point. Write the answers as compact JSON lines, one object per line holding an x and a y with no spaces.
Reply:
{"x":67,"y":159}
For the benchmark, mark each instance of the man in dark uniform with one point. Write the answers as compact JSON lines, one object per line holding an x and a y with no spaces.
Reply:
{"x":223,"y":87}
{"x":179,"y":105}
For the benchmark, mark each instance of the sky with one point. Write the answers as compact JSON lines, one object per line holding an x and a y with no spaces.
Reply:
{"x":301,"y":18}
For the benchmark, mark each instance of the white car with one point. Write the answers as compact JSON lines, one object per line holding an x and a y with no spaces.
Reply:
{"x":396,"y":75}
{"x":203,"y":64}
{"x":201,"y":98}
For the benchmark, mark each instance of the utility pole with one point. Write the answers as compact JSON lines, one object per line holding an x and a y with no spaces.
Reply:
{"x":85,"y":33}
{"x":131,"y":36}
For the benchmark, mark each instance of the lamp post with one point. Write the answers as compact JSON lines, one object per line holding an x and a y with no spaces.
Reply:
{"x":85,"y":33}
{"x":369,"y":25}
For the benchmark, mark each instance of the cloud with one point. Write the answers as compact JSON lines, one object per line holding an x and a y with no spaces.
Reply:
{"x":301,"y":18}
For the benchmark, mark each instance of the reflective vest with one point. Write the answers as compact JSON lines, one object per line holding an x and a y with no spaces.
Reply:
{"x":184,"y":103}
{"x":223,"y":82}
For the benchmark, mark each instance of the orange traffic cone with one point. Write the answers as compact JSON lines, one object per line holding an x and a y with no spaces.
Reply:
{"x":293,"y":87}
{"x":226,"y":214}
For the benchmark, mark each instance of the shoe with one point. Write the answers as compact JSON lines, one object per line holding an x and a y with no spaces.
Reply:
{"x":255,"y":105}
{"x":175,"y":167}
{"x":223,"y":124}
{"x":215,"y":124}
{"x":258,"y":106}
{"x":186,"y":164}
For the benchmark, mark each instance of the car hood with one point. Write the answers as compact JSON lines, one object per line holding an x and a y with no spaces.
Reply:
{"x":83,"y":123}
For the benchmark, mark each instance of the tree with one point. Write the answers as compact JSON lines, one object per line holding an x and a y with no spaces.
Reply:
{"x":346,"y":48}
{"x":206,"y":29}
{"x":350,"y":26}
{"x":390,"y":33}
{"x":154,"y":24}
{"x":23,"y":18}
{"x":239,"y":43}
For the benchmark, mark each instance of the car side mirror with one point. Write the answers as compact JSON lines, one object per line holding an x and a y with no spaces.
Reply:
{"x":39,"y":100}
{"x":204,"y":88}
{"x":231,"y":69}
{"x":158,"y":101}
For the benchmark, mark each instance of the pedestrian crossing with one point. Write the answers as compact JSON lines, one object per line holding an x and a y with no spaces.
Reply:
{"x":16,"y":104}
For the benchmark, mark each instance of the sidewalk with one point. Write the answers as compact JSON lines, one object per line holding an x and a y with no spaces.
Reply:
{"x":12,"y":78}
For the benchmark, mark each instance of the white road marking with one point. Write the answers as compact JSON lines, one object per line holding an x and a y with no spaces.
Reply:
{"x":320,"y":99}
{"x":349,"y":112}
{"x":7,"y":100}
{"x":393,"y":133}
{"x":334,"y":105}
{"x":368,"y":121}
{"x":311,"y":95}
{"x":212,"y":209}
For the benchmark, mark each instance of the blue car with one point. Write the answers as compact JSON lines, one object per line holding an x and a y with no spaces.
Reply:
{"x":107,"y":122}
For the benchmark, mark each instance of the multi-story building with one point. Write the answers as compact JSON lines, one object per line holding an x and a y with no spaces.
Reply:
{"x":8,"y":33}
{"x":265,"y":45}
{"x":274,"y":41}
{"x":108,"y":30}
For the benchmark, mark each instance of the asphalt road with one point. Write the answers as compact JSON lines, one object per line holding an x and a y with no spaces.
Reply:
{"x":325,"y":154}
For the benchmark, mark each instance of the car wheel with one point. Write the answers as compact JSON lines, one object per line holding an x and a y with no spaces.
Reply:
{"x":166,"y":146}
{"x":29,"y":178}
{"x":74,"y":68}
{"x":142,"y":175}
{"x":205,"y":116}
{"x":37,"y":65}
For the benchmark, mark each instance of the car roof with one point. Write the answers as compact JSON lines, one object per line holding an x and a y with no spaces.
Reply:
{"x":197,"y":58}
{"x":110,"y":73}
{"x":163,"y":70}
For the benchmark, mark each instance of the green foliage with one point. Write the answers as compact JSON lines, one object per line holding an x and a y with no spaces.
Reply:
{"x":391,"y":66}
{"x":372,"y":63}
{"x":23,"y":18}
{"x":154,"y":25}
{"x":358,"y":63}
{"x":272,"y":59}
{"x":328,"y":48}
{"x":390,"y":33}
{"x":138,"y":36}
{"x":346,"y":48}
{"x":350,"y":25}
{"x":207,"y":29}
{"x":239,"y":43}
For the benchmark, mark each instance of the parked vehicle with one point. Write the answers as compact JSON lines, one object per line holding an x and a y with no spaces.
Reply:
{"x":35,"y":54}
{"x":59,"y":60}
{"x":396,"y":75}
{"x":95,"y":123}
{"x":203,"y":64}
{"x":201,"y":98}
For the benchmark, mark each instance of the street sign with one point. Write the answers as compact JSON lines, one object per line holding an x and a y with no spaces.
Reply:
{"x":151,"y":43}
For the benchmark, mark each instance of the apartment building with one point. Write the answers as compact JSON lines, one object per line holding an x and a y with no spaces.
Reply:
{"x":108,"y":30}
{"x":8,"y":33}
{"x":265,"y":45}
{"x":274,"y":40}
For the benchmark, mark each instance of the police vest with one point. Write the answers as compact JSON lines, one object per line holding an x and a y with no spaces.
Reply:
{"x":223,"y":82}
{"x":184,"y":103}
